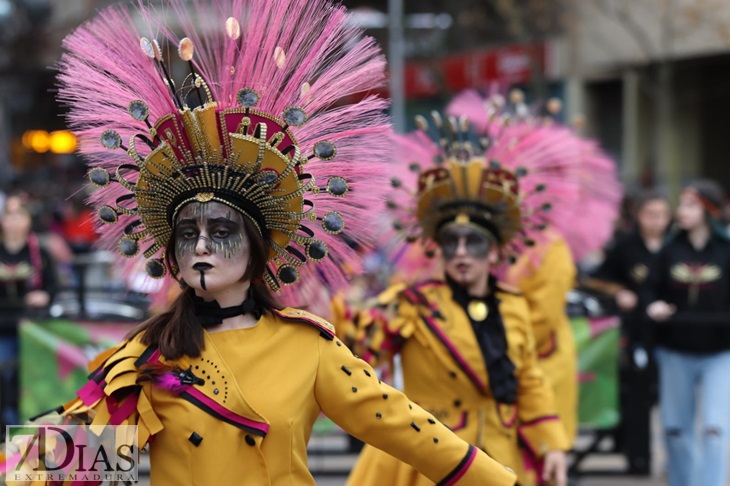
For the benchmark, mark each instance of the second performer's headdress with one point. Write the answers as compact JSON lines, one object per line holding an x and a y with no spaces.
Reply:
{"x":454,"y":179}
{"x":581,"y":180}
{"x":264,"y":113}
{"x":510,"y":172}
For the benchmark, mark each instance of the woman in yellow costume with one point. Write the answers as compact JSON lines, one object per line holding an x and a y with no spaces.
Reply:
{"x":588,"y":201}
{"x":465,"y":341}
{"x":236,"y":183}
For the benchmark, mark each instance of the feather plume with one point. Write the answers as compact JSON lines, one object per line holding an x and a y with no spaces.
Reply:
{"x":301,"y":53}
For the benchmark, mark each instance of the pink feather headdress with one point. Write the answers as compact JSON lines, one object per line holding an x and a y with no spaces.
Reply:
{"x":564,"y":181}
{"x":266,"y":111}
{"x":467,"y":179}
{"x":581,"y":180}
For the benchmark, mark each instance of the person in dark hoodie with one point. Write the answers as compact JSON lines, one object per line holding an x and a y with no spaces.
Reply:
{"x":688,"y":291}
{"x":622,"y":276}
{"x":27,"y":284}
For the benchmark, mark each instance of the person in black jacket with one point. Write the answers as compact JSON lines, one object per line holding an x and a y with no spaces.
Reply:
{"x":689,"y":293}
{"x":629,"y":258}
{"x":622,"y":276}
{"x":27,"y":283}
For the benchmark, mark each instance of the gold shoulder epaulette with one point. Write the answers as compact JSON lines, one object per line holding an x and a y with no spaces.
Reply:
{"x":326,"y":329}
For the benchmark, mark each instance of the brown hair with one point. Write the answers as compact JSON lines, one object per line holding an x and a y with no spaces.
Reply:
{"x":645,"y":197}
{"x":177,"y":332}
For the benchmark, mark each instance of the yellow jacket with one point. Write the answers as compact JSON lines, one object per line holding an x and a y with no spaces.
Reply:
{"x":444,"y":372}
{"x":545,"y":275}
{"x":251,"y":419}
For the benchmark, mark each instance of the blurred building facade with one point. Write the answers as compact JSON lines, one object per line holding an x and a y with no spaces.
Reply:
{"x":649,"y":76}
{"x":653,"y":77}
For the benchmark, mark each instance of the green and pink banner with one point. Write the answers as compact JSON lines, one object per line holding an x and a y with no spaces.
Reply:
{"x":53,"y":361}
{"x":597,"y":340}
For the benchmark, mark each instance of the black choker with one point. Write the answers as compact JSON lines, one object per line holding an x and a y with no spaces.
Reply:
{"x":211,"y":313}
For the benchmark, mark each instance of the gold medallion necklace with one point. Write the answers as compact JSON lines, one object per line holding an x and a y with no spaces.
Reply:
{"x":477,"y":310}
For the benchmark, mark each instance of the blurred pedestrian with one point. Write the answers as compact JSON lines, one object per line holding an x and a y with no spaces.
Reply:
{"x":622,"y":276}
{"x":689,"y":293}
{"x":27,"y":283}
{"x":627,"y":261}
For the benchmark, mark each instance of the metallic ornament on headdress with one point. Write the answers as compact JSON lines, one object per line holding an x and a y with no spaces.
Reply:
{"x":559,"y":179}
{"x":463,"y":187}
{"x":492,"y":181}
{"x":578,"y":182}
{"x":255,"y":137}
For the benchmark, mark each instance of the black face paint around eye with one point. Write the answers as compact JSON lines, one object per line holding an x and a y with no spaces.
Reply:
{"x":223,"y":231}
{"x":449,"y":244}
{"x":227,"y":237}
{"x":476,"y":244}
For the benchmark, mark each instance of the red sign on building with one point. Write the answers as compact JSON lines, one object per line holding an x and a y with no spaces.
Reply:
{"x":506,"y":65}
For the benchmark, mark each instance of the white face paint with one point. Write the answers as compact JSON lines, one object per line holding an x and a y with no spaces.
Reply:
{"x":211,"y":247}
{"x":468,"y":254}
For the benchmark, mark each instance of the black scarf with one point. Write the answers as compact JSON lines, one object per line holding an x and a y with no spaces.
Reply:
{"x":492,"y":339}
{"x":211,"y":313}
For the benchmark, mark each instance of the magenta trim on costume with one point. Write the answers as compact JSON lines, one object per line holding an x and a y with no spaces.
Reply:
{"x":511,"y":421}
{"x":460,"y":474}
{"x":538,"y":420}
{"x":526,"y":443}
{"x":155,"y":356}
{"x":461,"y":424}
{"x":233,"y":417}
{"x":455,"y":353}
{"x":123,"y":411}
{"x":553,"y":347}
{"x":530,"y":460}
{"x":91,"y":392}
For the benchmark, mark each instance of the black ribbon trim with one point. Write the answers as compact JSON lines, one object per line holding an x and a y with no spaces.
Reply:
{"x":145,"y":356}
{"x":100,"y":373}
{"x":58,"y":410}
{"x":211,"y":313}
{"x":458,"y":467}
{"x":210,"y":411}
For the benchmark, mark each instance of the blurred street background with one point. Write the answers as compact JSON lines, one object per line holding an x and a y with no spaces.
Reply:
{"x":649,"y":79}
